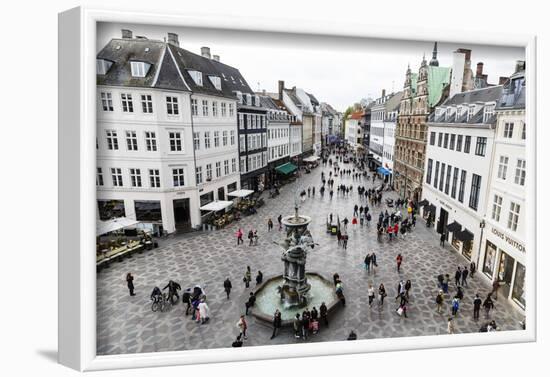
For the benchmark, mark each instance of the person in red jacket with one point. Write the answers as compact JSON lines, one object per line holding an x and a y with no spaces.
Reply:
{"x":390,"y":231}
{"x":396,"y":229}
{"x":399,"y":259}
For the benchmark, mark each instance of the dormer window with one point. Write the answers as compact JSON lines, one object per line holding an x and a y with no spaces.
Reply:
{"x":488,"y":111}
{"x":216,"y":81}
{"x":103,"y":66}
{"x":471,"y":111}
{"x":196,"y":76}
{"x":257,"y":101}
{"x":449,"y":113}
{"x":139,"y":69}
{"x":242,"y":83}
{"x":248,"y":99}
{"x":223,"y":75}
{"x":239,"y":97}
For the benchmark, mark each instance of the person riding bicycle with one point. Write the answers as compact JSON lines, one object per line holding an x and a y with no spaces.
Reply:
{"x":173,"y":289}
{"x":156,"y":294}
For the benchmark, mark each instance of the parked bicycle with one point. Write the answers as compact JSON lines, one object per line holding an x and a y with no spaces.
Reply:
{"x":160,"y":302}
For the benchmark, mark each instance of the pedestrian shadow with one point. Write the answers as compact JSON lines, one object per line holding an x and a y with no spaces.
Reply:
{"x":50,"y":355}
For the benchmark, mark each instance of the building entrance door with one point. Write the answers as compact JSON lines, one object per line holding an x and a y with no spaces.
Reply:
{"x":182,"y":217}
{"x":442,"y":224}
{"x":505,"y":272}
{"x":221,"y":193}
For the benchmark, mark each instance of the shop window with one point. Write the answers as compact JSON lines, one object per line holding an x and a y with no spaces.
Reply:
{"x":490,"y":258}
{"x":518,"y":292}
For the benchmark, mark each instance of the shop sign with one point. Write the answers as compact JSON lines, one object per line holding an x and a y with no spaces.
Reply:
{"x":508,"y":239}
{"x":445,"y":205}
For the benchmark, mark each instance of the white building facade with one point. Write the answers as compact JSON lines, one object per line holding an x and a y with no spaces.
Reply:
{"x":503,"y":245}
{"x":458,"y":164}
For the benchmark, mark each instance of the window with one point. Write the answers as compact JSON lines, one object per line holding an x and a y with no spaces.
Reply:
{"x":112,"y":140}
{"x":242,"y":143}
{"x":513,"y":216}
{"x":135,"y":177}
{"x":520,"y":172}
{"x":208,"y":172}
{"x":488,"y":112}
{"x":206,"y":139}
{"x":139,"y":69}
{"x":467,"y":142}
{"x":481,"y":145}
{"x":194,"y":107}
{"x":147,"y":103}
{"x":127,"y":103}
{"x":175,"y":141}
{"x":474,"y":191}
{"x":218,"y":169}
{"x":204,"y":107}
{"x":242,"y":166}
{"x":196,"y":76}
{"x":452,"y":142}
{"x":116,"y":174}
{"x":107,"y":101}
{"x":439,"y":139}
{"x":154,"y":177}
{"x":196,"y":140}
{"x":497,"y":206}
{"x":214,"y":108}
{"x":102,"y":66}
{"x":231,"y":109}
{"x":442,"y":177}
{"x":224,"y":109}
{"x":429,"y":171}
{"x":436,"y":176}
{"x":226,"y":167}
{"x":131,"y":140}
{"x":179,"y":177}
{"x":459,"y":143}
{"x":216,"y":81}
{"x":99,"y":178}
{"x":241,"y":121}
{"x":233,"y":165}
{"x":232,"y":137}
{"x":198,"y":174}
{"x":523,"y":132}
{"x":502,"y":167}
{"x":471,"y":110}
{"x":508,"y":130}
{"x":151,"y":141}
{"x":446,"y":141}
{"x":455,"y":179}
{"x":448,"y":179}
{"x":216,"y":139}
{"x":224,"y":138}
{"x":462,"y":185}
{"x":172,"y":105}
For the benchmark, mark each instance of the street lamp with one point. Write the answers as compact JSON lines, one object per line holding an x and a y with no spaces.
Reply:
{"x":481,"y":226}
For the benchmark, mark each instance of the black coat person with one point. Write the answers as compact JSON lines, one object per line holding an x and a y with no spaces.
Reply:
{"x":130,"y":283}
{"x":227,"y":287}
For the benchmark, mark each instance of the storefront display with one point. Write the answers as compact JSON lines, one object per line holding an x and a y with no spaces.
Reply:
{"x":505,"y":272}
{"x":518,"y":292}
{"x":467,"y":247}
{"x":490,"y":257}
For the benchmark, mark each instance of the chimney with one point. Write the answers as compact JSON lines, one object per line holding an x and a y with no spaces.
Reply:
{"x":383,"y":94}
{"x":520,"y":66}
{"x":479,"y":70}
{"x":126,"y":34}
{"x":281,"y":88}
{"x":467,"y":52}
{"x":502,"y":80}
{"x":205,"y":52}
{"x":216,"y":57}
{"x":173,"y":39}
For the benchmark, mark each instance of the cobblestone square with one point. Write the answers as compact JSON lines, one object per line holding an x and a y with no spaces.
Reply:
{"x":126,"y":324}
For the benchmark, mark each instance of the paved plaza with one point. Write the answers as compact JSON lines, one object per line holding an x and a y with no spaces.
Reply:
{"x":127,"y":325}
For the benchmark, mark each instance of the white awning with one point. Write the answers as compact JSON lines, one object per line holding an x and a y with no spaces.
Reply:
{"x":216,"y":206}
{"x":103,"y":227}
{"x":240,"y":193}
{"x":311,"y":159}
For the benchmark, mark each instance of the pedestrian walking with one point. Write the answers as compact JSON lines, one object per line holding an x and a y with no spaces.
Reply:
{"x":227,"y":287}
{"x":402,"y":309}
{"x":269,"y":225}
{"x":367,"y":262}
{"x":455,"y":304}
{"x":458,"y":276}
{"x":130,"y":283}
{"x":323,"y":312}
{"x":477,"y":306}
{"x":488,"y":305}
{"x":239,"y":235}
{"x":399,"y":260}
{"x":186,"y":299}
{"x":381,"y":295}
{"x":439,"y":301}
{"x":243,"y":326}
{"x":373,"y":262}
{"x":446,"y":283}
{"x":250,"y":237}
{"x":472,"y":269}
{"x":276,"y":323}
{"x":297,"y":323}
{"x":465,"y":276}
{"x":173,"y":289}
{"x":371,"y":295}
{"x":305,"y":323}
{"x":345,"y":241}
{"x":356,"y":210}
{"x":408,"y":286}
{"x":250,"y":303}
{"x":204,"y":312}
{"x":450,"y":326}
{"x":259,"y":277}
{"x":280,"y":221}
{"x":247,"y":277}
{"x":496,"y":286}
{"x":442,"y":240}
{"x":336,"y":278}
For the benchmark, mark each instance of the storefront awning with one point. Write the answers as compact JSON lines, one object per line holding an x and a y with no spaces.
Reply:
{"x":240,"y":193}
{"x":383,"y":171}
{"x":104,"y":227}
{"x":430,"y":208}
{"x":311,"y":159}
{"x":454,"y":227}
{"x":286,"y":168}
{"x":216,"y":206}
{"x":423,"y":203}
{"x":465,"y":235}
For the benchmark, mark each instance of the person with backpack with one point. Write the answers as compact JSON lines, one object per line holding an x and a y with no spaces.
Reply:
{"x":455,"y":304}
{"x":477,"y":306}
{"x":439,"y":301}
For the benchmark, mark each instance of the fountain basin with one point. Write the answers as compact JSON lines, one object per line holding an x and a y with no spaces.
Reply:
{"x":268,"y":298}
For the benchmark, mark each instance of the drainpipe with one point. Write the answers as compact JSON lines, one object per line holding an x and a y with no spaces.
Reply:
{"x":194,"y":152}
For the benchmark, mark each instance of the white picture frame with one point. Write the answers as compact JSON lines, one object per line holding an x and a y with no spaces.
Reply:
{"x":77,"y":214}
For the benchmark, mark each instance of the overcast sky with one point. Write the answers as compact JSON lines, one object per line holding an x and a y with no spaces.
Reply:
{"x":336,"y":70}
